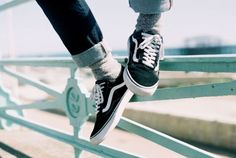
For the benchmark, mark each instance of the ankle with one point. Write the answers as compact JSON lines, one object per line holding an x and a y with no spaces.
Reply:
{"x":106,"y":69}
{"x":148,"y":22}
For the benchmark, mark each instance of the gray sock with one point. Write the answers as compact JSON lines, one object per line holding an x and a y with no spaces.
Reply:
{"x":148,"y":22}
{"x":106,"y":68}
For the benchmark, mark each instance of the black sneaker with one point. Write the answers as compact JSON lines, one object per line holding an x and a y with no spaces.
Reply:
{"x":111,"y":99}
{"x":141,"y":74}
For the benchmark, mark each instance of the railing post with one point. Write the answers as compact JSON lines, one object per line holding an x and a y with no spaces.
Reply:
{"x":76,"y":102}
{"x":77,"y":105}
{"x":77,"y":151}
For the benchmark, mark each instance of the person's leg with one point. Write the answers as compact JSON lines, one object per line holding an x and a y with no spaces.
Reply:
{"x":149,"y":13}
{"x":79,"y":31}
{"x":141,"y":74}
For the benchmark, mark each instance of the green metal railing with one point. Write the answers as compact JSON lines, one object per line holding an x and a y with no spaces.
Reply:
{"x":75,"y":102}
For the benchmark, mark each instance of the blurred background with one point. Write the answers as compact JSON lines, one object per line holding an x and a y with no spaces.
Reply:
{"x":25,"y":31}
{"x":191,"y":27}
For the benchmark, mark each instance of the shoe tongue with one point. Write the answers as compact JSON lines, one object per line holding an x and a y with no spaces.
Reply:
{"x":139,"y":37}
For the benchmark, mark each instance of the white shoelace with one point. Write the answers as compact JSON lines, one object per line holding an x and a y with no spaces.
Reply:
{"x":97,"y":95}
{"x":151,"y":46}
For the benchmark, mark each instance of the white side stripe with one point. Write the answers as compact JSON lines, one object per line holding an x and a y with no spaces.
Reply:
{"x":111,"y":96}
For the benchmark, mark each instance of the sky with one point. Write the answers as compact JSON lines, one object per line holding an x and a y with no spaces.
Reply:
{"x":25,"y":29}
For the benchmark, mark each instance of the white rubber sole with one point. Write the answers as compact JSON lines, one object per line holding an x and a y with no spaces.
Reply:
{"x":137,"y":88}
{"x":114,"y":119}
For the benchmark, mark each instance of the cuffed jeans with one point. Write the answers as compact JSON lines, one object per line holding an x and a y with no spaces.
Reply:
{"x":78,"y":29}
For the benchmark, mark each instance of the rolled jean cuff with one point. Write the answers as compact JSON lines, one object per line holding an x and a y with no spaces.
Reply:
{"x":150,"y":6}
{"x":92,"y":55}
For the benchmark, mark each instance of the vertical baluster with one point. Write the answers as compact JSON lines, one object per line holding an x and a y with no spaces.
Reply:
{"x":77,"y":151}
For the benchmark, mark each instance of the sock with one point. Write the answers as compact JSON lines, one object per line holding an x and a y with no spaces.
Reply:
{"x":148,"y":22}
{"x":106,"y":68}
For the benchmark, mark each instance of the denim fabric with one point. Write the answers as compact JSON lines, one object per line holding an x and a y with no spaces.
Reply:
{"x":150,"y":6}
{"x":74,"y":23}
{"x":78,"y":29}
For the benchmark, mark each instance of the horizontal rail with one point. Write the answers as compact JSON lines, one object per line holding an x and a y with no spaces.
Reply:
{"x":47,"y":62}
{"x":32,"y":82}
{"x":200,"y":63}
{"x":196,"y":58}
{"x":203,"y":58}
{"x":41,"y":105}
{"x":11,"y":4}
{"x":68,"y":138}
{"x":193,"y":91}
{"x":163,"y":139}
{"x":65,"y":61}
